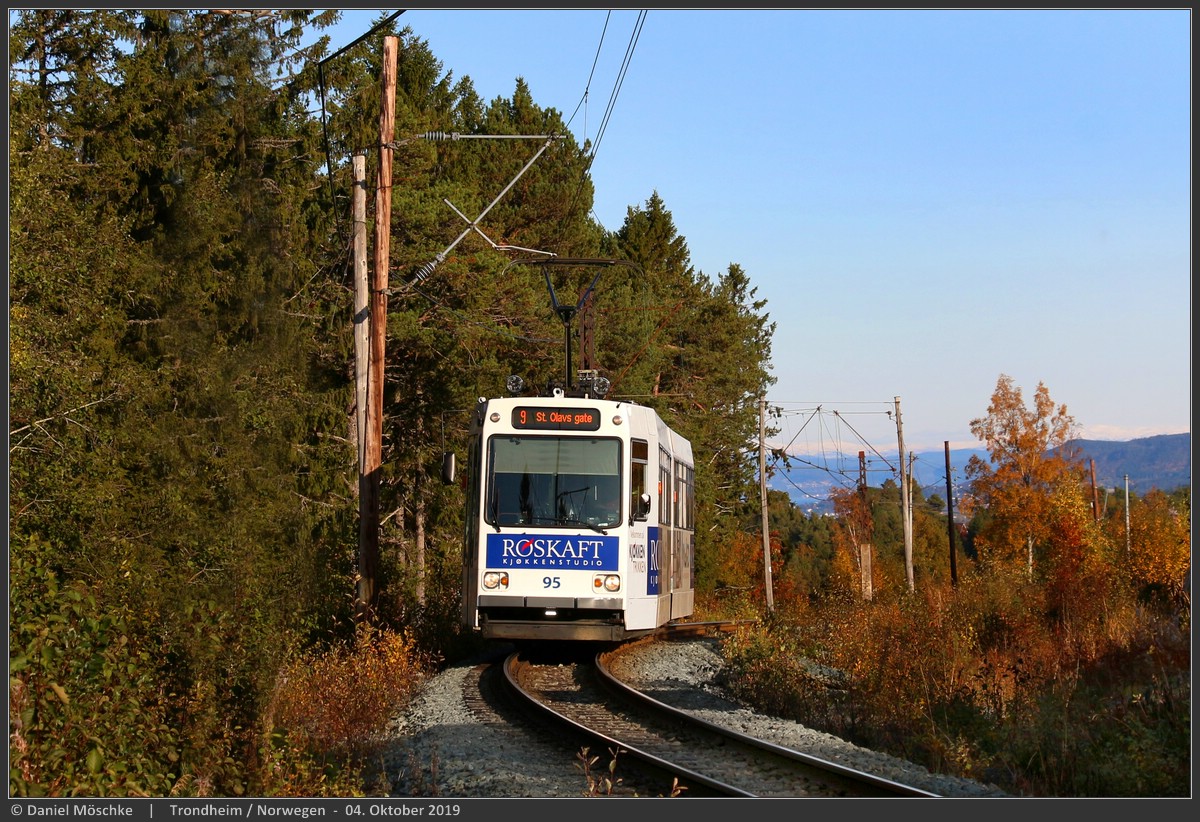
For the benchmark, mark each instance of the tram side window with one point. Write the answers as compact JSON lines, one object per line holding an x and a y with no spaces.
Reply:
{"x":685,"y":496}
{"x":691,"y":492}
{"x":665,"y":488}
{"x":639,"y":461}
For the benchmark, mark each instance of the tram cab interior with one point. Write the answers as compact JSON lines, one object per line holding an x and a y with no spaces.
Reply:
{"x":547,"y":481}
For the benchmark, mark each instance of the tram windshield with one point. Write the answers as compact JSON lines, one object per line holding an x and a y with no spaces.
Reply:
{"x":554,"y":481}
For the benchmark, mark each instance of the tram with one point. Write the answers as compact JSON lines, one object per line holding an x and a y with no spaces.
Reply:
{"x":580,"y":517}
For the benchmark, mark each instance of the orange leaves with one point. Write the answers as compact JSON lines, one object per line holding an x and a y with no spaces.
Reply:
{"x":341,"y":700}
{"x":1023,"y":469}
{"x":1159,"y":544}
{"x":737,"y":562}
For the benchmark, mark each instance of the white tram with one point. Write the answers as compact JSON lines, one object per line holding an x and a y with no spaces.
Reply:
{"x":580,"y":518}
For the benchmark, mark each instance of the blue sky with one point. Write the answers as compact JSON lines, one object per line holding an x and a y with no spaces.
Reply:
{"x":926,"y":199}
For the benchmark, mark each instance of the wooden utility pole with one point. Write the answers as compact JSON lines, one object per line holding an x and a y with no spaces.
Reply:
{"x":587,"y":334}
{"x":368,"y":534}
{"x":911,"y":459}
{"x":762,"y":493}
{"x":950,"y":516}
{"x":905,"y":501}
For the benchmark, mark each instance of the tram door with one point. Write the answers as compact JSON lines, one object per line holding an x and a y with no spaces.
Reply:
{"x":666,"y":533}
{"x":683,"y":557}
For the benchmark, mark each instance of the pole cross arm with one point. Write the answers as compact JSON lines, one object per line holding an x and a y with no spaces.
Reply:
{"x":473,"y":225}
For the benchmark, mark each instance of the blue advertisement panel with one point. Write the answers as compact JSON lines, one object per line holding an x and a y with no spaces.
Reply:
{"x":553,"y":552}
{"x":652,"y":572}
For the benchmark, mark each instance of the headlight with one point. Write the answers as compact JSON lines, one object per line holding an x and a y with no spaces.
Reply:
{"x":495,"y":579}
{"x":609,"y":582}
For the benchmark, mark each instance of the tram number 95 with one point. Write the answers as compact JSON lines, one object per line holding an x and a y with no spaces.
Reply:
{"x":551,"y":582}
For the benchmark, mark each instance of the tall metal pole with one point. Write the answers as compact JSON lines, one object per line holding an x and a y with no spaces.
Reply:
{"x":866,"y":570}
{"x":368,"y":508}
{"x":368,"y":534}
{"x":1127,"y":540}
{"x":905,"y":501}
{"x":1095,"y":493}
{"x":762,"y":490}
{"x":950,"y":517}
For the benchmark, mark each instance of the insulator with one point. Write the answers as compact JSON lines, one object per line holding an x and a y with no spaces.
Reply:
{"x":425,"y":270}
{"x":440,"y":135}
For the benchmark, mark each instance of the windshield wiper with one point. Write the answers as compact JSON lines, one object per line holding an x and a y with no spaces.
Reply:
{"x":574,"y":521}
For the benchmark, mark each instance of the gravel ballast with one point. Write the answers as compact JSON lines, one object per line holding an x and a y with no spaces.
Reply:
{"x":442,"y":749}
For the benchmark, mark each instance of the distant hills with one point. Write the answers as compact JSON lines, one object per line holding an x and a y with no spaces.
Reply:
{"x":1163,"y":462}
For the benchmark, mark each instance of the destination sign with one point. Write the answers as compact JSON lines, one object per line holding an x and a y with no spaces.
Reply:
{"x":556,"y":419}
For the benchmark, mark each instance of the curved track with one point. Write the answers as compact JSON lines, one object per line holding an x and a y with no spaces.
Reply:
{"x":704,"y":759}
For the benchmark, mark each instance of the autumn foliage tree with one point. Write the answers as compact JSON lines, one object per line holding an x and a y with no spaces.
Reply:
{"x":853,"y":567}
{"x":1159,"y":545}
{"x":1026,"y":462}
{"x":1057,"y":661}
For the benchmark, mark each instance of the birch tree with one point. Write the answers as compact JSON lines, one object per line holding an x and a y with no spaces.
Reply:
{"x":1026,"y":461}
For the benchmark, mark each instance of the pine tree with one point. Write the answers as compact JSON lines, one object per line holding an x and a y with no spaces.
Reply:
{"x":702,"y":364}
{"x":169,"y":398}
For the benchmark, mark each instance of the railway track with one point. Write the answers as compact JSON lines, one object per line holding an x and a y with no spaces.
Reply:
{"x":582,"y":697}
{"x":494,"y":703}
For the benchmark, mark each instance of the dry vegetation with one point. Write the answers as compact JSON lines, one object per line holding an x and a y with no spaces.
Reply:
{"x":329,"y":714}
{"x":993,"y":679}
{"x":1056,"y":659}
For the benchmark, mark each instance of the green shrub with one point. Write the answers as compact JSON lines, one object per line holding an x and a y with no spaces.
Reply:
{"x":88,"y":715}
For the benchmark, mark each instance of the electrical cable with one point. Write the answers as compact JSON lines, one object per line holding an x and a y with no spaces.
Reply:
{"x":324,"y":127}
{"x":612,"y":101}
{"x":587,"y":87}
{"x":840,"y":476}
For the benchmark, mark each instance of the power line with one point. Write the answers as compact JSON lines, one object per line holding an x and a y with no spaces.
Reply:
{"x":819,"y":412}
{"x":612,"y":97}
{"x":612,"y":100}
{"x":587,"y":87}
{"x":324,"y":127}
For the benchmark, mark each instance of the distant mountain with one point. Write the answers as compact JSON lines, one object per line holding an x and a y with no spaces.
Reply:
{"x":1163,"y":462}
{"x":810,"y":482}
